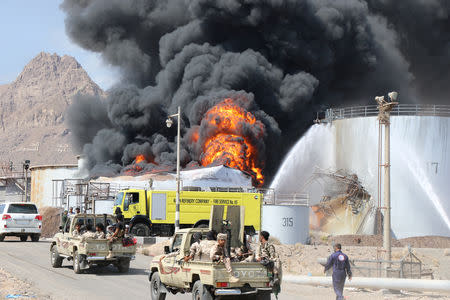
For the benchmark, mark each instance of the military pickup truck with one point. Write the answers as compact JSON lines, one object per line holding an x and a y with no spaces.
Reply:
{"x":87,"y":251}
{"x":202,"y":277}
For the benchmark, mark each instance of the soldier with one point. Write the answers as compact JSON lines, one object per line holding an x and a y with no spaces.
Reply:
{"x":99,"y":231}
{"x":341,"y":268}
{"x":88,"y":234}
{"x":206,"y":245}
{"x":265,"y":253}
{"x":64,"y":217}
{"x":117,"y":235}
{"x":195,"y":247}
{"x":244,"y":252}
{"x":119,"y":215}
{"x":219,"y":254}
{"x":77,"y":230}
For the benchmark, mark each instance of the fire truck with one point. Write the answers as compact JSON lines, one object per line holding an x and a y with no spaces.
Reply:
{"x":152,"y":212}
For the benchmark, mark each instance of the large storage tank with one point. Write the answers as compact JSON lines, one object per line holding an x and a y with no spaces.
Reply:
{"x":420,"y":162}
{"x":288,"y":223}
{"x":42,"y":182}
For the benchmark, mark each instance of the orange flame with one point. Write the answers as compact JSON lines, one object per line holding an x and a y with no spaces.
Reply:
{"x":228,"y":145}
{"x":140,"y":158}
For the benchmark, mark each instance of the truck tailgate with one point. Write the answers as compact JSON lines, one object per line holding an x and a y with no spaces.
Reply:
{"x":253,"y":274}
{"x":100,"y":248}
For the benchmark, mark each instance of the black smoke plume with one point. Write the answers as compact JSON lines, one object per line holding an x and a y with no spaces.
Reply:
{"x":285,"y":58}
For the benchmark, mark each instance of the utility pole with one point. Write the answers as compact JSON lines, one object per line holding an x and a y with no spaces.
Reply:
{"x":169,"y":123}
{"x":384,"y":115}
{"x":26,"y":166}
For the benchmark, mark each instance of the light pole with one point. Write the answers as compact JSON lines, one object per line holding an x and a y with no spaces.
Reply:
{"x":26,"y":166}
{"x":384,"y":116}
{"x":169,"y":123}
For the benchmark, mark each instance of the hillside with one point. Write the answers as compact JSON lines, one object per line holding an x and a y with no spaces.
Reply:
{"x":32,"y":110}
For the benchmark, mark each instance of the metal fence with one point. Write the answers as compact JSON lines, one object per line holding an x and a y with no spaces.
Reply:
{"x":332,"y":114}
{"x":410,"y":266}
{"x":273,"y":198}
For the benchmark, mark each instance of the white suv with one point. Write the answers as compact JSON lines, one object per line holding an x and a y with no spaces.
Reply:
{"x":20,"y":219}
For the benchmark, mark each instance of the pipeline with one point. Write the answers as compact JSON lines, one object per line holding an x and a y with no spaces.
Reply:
{"x":376,"y":283}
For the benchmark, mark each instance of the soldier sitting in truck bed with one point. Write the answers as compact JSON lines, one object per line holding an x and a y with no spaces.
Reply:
{"x":99,"y":231}
{"x":195,"y":250}
{"x":220,"y":254}
{"x":77,"y":230}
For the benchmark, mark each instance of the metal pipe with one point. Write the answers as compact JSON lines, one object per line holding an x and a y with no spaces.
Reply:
{"x":387,"y":191}
{"x":376,"y":283}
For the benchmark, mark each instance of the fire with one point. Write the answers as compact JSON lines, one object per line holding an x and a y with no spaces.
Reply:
{"x":140,"y":158}
{"x":135,"y":168}
{"x":228,"y":145}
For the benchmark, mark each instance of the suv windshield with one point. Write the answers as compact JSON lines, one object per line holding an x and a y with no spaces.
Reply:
{"x":22,"y":209}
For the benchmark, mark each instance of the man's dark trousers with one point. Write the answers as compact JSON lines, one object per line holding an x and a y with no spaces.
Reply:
{"x":338,"y":283}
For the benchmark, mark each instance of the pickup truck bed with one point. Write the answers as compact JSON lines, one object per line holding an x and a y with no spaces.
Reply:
{"x":204,"y":278}
{"x":85,"y":251}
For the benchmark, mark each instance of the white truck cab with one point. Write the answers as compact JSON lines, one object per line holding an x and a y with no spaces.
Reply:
{"x":20,"y":219}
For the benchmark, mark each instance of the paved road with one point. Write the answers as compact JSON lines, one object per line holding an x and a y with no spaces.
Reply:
{"x":31,"y":261}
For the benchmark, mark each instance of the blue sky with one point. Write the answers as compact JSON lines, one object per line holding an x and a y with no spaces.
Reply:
{"x":28,"y":27}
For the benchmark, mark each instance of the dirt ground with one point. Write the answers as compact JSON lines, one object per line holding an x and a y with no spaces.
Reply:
{"x":14,"y":288}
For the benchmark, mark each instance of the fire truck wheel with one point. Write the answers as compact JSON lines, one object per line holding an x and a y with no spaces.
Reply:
{"x":140,"y":229}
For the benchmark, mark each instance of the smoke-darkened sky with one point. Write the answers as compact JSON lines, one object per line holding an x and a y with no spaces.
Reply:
{"x":281,"y":60}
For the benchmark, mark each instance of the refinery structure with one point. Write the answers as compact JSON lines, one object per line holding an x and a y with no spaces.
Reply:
{"x":330,"y":181}
{"x":337,"y":162}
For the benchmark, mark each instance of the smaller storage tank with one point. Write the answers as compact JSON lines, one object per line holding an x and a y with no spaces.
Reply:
{"x":288,"y":223}
{"x":42,"y":182}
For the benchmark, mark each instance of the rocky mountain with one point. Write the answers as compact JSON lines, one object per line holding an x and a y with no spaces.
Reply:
{"x":32,"y":110}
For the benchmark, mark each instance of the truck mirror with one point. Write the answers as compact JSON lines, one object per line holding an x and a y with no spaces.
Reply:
{"x":166,"y":249}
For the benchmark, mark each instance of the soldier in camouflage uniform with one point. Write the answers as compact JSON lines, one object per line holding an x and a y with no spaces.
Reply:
{"x":219,"y":254}
{"x":266,"y":254}
{"x":206,"y":245}
{"x":195,"y":248}
{"x":77,"y":230}
{"x":99,"y":231}
{"x":88,"y":234}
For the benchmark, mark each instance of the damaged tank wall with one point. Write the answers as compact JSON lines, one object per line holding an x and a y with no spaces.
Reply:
{"x":420,"y":166}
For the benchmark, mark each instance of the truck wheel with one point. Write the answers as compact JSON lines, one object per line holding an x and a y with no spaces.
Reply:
{"x":140,"y":229}
{"x":155,"y":288}
{"x":2,"y":237}
{"x":123,"y":265}
{"x":199,"y":292}
{"x":23,"y":238}
{"x":35,"y":237}
{"x":55,"y":259}
{"x":77,"y":263}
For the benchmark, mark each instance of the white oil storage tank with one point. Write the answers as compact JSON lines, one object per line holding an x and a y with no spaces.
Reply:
{"x":348,"y":140}
{"x":44,"y":179}
{"x":287,"y":222}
